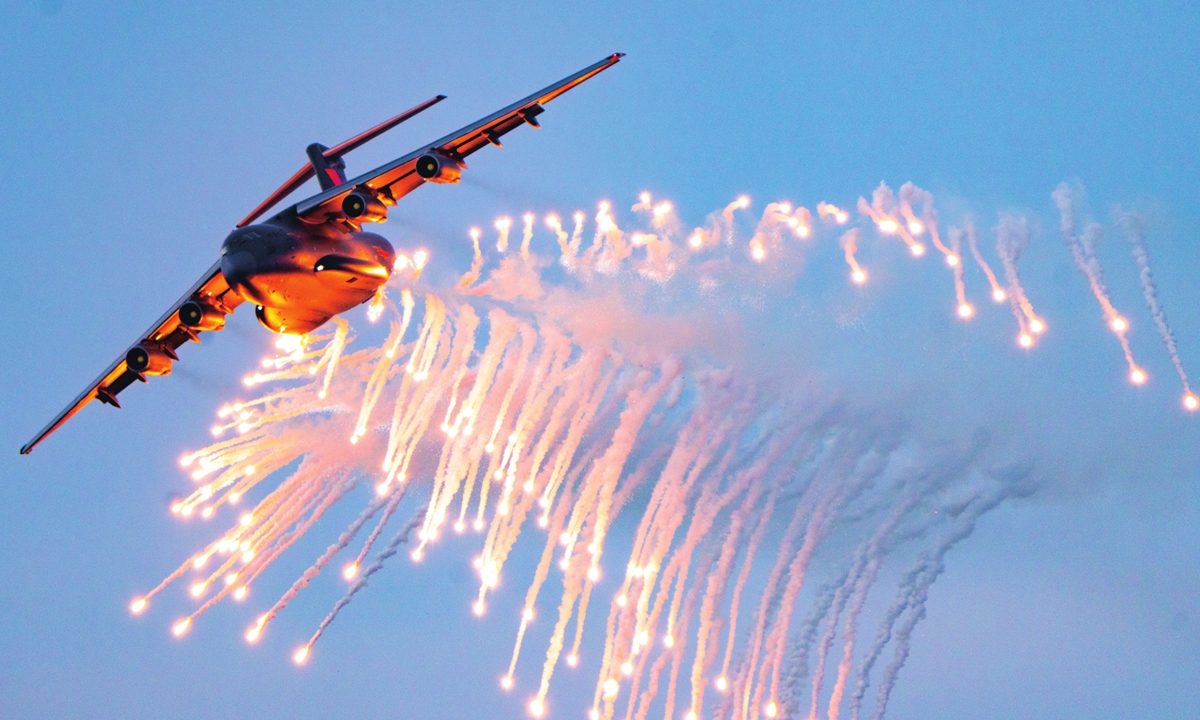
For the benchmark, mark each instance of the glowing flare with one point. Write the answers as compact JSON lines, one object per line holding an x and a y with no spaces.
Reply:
{"x":572,"y":660}
{"x":758,"y":252}
{"x":621,"y":600}
{"x":246,"y":519}
{"x":888,"y":226}
{"x":690,"y":716}
{"x":301,"y":655}
{"x":1191,"y":402}
{"x":743,"y":201}
{"x":669,"y":641}
{"x":917,"y":250}
{"x":506,"y":682}
{"x":1037,"y":325}
{"x":859,"y":277}
{"x":181,"y":627}
{"x":722,"y":684}
{"x":419,"y":259}
{"x":593,"y":573}
{"x":240,"y":593}
{"x":350,"y":571}
{"x":137,"y":606}
{"x":1137,"y":377}
{"x":916,"y":228}
{"x":965,"y":311}
{"x":1025,"y":340}
{"x":771,"y":709}
{"x":253,"y":634}
{"x":999,"y":295}
{"x":198,"y":589}
{"x":952,"y":260}
{"x":611,"y":687}
{"x":1118,"y":324}
{"x":479,"y":607}
{"x":627,"y":667}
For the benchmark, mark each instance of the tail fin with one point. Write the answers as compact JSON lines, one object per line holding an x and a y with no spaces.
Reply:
{"x":330,"y":168}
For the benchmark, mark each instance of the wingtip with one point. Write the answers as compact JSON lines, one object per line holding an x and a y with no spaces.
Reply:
{"x":26,"y":449}
{"x":618,"y":56}
{"x":440,"y":98}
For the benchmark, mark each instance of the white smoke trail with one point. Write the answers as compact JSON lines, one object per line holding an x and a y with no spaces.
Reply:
{"x":1083,"y":249}
{"x":361,"y":582}
{"x":933,"y":565}
{"x":1135,"y":231}
{"x":1012,"y":238}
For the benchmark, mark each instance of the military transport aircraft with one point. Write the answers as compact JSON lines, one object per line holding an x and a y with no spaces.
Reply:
{"x":312,"y":260}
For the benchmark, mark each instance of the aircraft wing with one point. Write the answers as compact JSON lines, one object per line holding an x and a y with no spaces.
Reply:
{"x":399,"y":177}
{"x":168,"y":333}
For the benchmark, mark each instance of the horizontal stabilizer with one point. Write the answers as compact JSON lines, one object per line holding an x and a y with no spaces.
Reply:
{"x":332,"y":156}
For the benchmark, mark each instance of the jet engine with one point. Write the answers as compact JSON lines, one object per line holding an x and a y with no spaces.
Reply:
{"x":198,"y":316}
{"x":149,"y":359}
{"x":439,"y":168}
{"x":364,"y":207}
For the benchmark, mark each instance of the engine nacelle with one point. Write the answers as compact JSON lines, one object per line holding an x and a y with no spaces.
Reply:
{"x":148,"y":360}
{"x":364,"y":207}
{"x":198,"y":316}
{"x":439,"y":168}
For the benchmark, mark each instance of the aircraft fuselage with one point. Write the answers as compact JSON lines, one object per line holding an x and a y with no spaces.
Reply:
{"x":299,"y":275}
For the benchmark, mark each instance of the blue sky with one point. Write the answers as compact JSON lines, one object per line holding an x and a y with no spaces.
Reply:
{"x":135,"y":135}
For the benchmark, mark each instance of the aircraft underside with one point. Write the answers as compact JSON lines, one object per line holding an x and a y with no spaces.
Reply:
{"x":299,"y":278}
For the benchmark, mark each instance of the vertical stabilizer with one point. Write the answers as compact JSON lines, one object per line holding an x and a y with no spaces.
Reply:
{"x":331,"y":171}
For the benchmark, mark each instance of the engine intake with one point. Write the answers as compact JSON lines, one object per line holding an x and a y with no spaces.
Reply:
{"x":148,"y":360}
{"x":439,"y":168}
{"x":363,"y":207}
{"x":198,"y":316}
